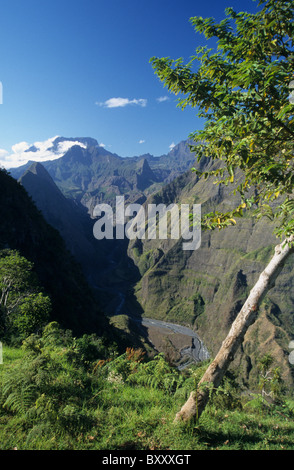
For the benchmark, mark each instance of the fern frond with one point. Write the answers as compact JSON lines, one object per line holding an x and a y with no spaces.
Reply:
{"x":21,"y":398}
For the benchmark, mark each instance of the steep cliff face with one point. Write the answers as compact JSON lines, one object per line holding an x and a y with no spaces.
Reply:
{"x":206,"y":287}
{"x":24,"y":229}
{"x":67,"y":216}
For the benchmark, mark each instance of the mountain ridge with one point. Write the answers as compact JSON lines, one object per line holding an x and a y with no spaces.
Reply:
{"x":62,"y":213}
{"x":91,"y":174}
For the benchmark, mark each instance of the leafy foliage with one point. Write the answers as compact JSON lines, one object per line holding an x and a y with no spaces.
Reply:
{"x":51,"y":382}
{"x":23,"y":308}
{"x":156,"y":373}
{"x":242,"y":91}
{"x":34,"y":313}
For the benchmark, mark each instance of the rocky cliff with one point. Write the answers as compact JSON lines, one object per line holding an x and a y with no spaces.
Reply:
{"x":206,"y":287}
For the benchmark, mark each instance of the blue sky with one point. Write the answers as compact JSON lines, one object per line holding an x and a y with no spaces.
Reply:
{"x":80,"y":68}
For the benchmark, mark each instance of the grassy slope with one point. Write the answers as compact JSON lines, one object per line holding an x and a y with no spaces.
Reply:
{"x":127,"y":416}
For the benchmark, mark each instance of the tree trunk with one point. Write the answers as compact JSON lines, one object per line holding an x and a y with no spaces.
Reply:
{"x":197,"y":400}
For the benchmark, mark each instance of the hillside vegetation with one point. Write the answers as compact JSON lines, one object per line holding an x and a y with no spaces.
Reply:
{"x":58,"y":392}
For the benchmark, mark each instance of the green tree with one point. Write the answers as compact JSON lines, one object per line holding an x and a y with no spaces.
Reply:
{"x":33,"y":313}
{"x":241,"y":88}
{"x":22,"y":306}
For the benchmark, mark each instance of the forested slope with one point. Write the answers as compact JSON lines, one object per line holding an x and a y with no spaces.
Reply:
{"x":24,"y":229}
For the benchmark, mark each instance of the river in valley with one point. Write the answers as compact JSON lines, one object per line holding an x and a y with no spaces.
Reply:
{"x":190,"y":347}
{"x":194,"y":352}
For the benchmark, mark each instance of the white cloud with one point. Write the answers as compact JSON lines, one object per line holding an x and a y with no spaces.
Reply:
{"x":46,"y":144}
{"x":66,"y":145}
{"x":161,"y":99}
{"x":122,"y":102}
{"x":41,"y":151}
{"x":172,"y":146}
{"x":141,"y":141}
{"x":20,"y":147}
{"x":3,"y":153}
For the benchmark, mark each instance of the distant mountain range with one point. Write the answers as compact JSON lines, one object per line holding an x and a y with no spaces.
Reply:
{"x":89,"y":174}
{"x":66,"y":189}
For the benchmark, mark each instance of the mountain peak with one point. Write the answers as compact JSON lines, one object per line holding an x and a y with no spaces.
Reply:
{"x":145,"y":175}
{"x":38,"y":169}
{"x":63,"y":142}
{"x":59,"y":144}
{"x":143,"y":165}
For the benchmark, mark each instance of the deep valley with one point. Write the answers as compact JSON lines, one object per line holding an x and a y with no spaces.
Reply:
{"x":201,"y":289}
